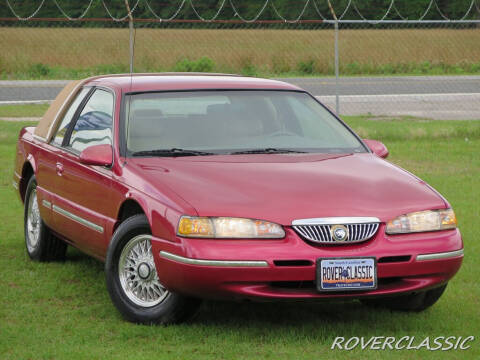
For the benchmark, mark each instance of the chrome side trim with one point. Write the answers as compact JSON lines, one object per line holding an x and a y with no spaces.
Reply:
{"x":224,"y":263}
{"x":14,"y":184}
{"x":443,"y":255}
{"x":336,"y":221}
{"x":78,"y":219}
{"x":47,"y":204}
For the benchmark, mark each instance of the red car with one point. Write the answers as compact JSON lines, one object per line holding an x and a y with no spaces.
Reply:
{"x":214,"y":186}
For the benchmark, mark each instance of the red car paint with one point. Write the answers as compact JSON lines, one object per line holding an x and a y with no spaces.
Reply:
{"x":273,"y":187}
{"x":101,"y":155}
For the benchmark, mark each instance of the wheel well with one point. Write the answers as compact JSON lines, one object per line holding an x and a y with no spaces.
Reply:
{"x":27,"y":172}
{"x":128,"y":209}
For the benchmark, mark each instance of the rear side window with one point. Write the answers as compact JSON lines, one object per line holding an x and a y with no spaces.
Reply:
{"x":94,"y":125}
{"x":67,"y":118}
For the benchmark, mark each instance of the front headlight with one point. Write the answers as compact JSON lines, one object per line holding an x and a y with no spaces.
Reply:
{"x":228,"y":228}
{"x":431,"y":220}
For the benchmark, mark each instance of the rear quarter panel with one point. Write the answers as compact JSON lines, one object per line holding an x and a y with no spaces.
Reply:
{"x":31,"y":152}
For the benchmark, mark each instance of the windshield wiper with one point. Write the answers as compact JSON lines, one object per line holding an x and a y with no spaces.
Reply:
{"x":174,"y":152}
{"x":268,"y":151}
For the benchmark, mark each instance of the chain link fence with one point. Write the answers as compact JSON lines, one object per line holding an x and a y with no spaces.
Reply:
{"x":387,"y":67}
{"x":427,"y":70}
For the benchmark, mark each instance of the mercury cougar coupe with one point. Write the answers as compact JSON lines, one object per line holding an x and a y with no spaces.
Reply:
{"x":192,"y":186}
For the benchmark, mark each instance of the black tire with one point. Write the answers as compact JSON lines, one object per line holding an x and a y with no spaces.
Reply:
{"x":174,"y":308}
{"x":411,"y":302}
{"x":47,"y":247}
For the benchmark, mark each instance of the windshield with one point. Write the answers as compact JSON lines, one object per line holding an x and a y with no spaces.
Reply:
{"x":227,"y":122}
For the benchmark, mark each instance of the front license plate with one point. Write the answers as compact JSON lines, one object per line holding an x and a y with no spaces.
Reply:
{"x":343,"y":274}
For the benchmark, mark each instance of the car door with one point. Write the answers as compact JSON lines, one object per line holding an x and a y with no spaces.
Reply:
{"x":47,"y":159}
{"x":81,"y":204}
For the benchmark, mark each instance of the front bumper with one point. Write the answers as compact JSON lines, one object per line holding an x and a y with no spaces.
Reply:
{"x":285,"y":268}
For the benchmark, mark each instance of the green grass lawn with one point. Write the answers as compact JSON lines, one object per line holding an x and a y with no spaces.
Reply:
{"x":28,"y":110}
{"x":62,"y":310}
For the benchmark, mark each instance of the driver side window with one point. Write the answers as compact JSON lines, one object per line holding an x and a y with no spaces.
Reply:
{"x":67,"y":118}
{"x":94,"y":125}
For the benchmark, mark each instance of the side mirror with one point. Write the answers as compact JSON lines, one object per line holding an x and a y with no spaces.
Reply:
{"x":377,"y":147}
{"x":101,"y":155}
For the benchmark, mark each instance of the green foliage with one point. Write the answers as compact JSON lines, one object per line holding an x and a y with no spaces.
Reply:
{"x":249,"y":70}
{"x":306,"y":67}
{"x":247,"y":67}
{"x":39,"y":70}
{"x":203,"y":64}
{"x":371,"y":9}
{"x":353,"y":68}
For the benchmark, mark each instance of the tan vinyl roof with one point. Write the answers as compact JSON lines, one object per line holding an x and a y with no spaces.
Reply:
{"x":56,"y":109}
{"x":49,"y":122}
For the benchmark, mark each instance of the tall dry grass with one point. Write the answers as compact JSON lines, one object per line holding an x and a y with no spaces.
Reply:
{"x":270,"y":51}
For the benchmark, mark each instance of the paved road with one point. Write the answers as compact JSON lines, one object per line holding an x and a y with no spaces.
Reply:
{"x":434,"y":97}
{"x":27,"y":90}
{"x":456,"y":106}
{"x":390,"y":85}
{"x":437,"y":97}
{"x":48,"y":89}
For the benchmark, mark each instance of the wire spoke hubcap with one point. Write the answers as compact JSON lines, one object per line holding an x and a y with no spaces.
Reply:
{"x":138,"y":275}
{"x":33,"y":222}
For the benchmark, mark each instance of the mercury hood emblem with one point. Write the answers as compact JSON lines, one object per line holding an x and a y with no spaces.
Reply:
{"x":339,"y":233}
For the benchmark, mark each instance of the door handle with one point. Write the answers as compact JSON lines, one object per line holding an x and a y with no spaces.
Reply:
{"x":59,"y":167}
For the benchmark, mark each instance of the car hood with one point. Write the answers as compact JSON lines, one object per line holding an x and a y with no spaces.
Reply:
{"x":285,"y":187}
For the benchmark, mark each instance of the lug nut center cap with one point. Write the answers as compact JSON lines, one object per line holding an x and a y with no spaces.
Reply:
{"x":143,"y":270}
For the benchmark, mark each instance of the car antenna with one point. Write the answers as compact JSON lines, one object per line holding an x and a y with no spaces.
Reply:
{"x":132,"y":32}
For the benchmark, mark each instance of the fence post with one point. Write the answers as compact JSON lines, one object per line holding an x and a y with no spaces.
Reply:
{"x":130,"y":27}
{"x":337,"y":80}
{"x":337,"y":95}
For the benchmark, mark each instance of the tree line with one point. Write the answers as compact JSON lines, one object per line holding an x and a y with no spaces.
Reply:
{"x":290,"y":9}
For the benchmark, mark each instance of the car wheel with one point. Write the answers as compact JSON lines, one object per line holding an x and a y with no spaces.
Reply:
{"x":133,"y":282}
{"x":411,"y":302}
{"x":40,"y":243}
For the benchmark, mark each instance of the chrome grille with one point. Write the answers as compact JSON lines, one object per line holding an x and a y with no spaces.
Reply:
{"x":320,"y":230}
